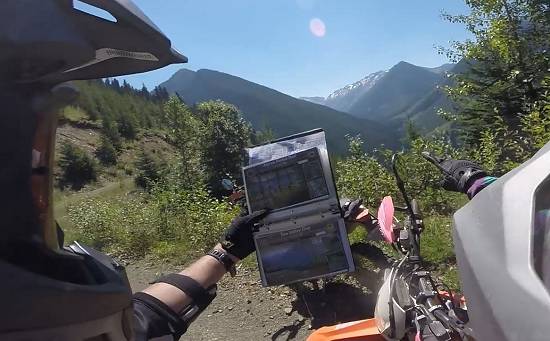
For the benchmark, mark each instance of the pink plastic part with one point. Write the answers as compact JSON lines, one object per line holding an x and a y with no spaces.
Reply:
{"x":417,"y":337}
{"x":385,"y":219}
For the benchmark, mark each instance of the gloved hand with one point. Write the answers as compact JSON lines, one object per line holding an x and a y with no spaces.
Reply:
{"x":459,"y":174}
{"x":237,"y":239}
{"x":354,"y":212}
{"x":350,"y":208}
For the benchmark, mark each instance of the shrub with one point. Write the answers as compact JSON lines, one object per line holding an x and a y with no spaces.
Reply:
{"x":106,"y":153}
{"x":168,"y":223}
{"x":149,"y":169}
{"x":110,"y":131}
{"x":369,"y":177}
{"x":72,"y":114}
{"x":127,"y":126}
{"x":77,"y":167}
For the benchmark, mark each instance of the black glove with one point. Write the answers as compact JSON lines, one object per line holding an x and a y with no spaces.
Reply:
{"x":459,"y":174}
{"x":350,"y":208}
{"x":237,"y":239}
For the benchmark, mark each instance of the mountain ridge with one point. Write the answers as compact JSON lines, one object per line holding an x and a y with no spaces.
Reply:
{"x":404,"y":92}
{"x":264,"y":108}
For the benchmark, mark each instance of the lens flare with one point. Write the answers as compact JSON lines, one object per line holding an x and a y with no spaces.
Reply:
{"x":317,"y":27}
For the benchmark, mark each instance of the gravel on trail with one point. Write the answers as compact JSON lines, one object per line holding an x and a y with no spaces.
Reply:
{"x":244,"y":310}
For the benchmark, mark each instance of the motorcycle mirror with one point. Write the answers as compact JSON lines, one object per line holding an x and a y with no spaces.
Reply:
{"x":385,"y":219}
{"x":228,"y":184}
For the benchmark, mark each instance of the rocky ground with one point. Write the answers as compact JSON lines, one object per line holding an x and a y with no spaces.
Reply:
{"x":244,"y":310}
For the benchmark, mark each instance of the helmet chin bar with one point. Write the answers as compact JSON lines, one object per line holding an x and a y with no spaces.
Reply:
{"x":42,"y":161}
{"x":46,"y":107}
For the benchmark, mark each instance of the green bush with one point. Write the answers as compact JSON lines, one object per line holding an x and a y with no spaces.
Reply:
{"x":369,"y":177}
{"x":149,"y":169}
{"x":167,"y":223}
{"x":106,"y":152}
{"x":110,"y":131}
{"x":127,"y":126}
{"x":72,"y":114}
{"x":77,"y":167}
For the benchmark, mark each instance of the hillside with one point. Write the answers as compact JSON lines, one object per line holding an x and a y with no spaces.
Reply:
{"x":267,"y":108}
{"x":399,"y":89}
{"x":405,"y":92}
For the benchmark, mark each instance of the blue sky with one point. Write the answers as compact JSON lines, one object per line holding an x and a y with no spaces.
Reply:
{"x":271,"y":43}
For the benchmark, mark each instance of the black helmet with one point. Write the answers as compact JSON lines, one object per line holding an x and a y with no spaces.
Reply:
{"x":52,"y":292}
{"x":51,"y":41}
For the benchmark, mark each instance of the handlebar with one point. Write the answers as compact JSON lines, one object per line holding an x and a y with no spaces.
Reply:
{"x":441,"y":314}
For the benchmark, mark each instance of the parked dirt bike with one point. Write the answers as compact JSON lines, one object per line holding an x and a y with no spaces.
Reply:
{"x":411,"y":305}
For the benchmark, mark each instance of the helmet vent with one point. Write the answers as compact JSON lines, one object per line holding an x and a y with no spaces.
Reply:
{"x":93,"y":11}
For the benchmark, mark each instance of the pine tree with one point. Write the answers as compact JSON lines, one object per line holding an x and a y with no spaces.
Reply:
{"x":106,"y":152}
{"x":507,"y":62}
{"x":77,"y":167}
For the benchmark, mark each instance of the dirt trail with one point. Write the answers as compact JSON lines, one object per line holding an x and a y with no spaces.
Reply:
{"x":244,"y":310}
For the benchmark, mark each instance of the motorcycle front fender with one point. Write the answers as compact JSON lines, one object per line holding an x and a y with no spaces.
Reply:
{"x":364,"y":330}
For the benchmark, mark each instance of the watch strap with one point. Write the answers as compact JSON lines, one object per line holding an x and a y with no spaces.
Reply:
{"x":222,"y":257}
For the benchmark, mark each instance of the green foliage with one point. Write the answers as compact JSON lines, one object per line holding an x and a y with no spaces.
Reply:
{"x":122,"y":227}
{"x":73,"y":115}
{"x":536,"y":124}
{"x":127,"y":126}
{"x":168,"y":223}
{"x":507,"y":61}
{"x":437,"y":242}
{"x":263,"y":136}
{"x":149,"y":169}
{"x":110,"y":131}
{"x":369,"y":177}
{"x":77,"y":167}
{"x":226,"y":136}
{"x":126,"y":109}
{"x":186,"y":133}
{"x":192,"y":216}
{"x":363,"y":176}
{"x":106,"y":152}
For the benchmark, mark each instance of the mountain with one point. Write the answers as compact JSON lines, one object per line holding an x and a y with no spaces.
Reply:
{"x":315,"y":99}
{"x":400,"y":88}
{"x":423,"y":112}
{"x":267,"y":108}
{"x":342,"y":99}
{"x":442,"y":69}
{"x":405,"y":92}
{"x":345,"y":98}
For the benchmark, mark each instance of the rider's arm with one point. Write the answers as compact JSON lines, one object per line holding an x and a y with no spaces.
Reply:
{"x":170,"y":305}
{"x":206,"y":271}
{"x":462,"y":176}
{"x":479,"y":184}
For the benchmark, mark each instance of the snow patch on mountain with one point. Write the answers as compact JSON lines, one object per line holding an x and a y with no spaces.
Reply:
{"x":364,"y":84}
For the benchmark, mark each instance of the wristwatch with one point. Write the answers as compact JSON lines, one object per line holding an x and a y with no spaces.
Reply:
{"x":222,"y":257}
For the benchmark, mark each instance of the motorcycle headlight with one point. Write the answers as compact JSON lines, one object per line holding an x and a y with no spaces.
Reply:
{"x":541,"y":233}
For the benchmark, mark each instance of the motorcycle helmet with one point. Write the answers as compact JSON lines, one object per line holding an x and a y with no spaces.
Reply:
{"x":51,"y":291}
